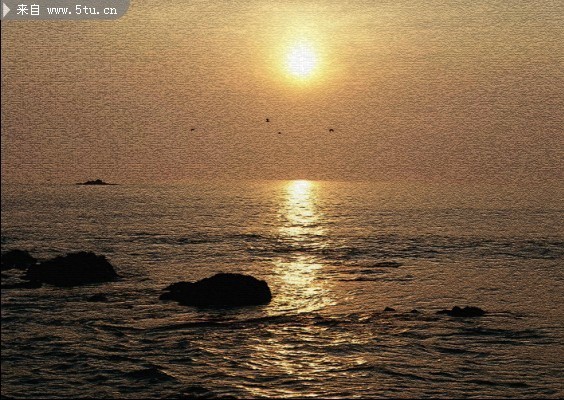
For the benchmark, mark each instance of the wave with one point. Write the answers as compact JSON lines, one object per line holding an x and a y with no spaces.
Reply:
{"x":380,"y":249}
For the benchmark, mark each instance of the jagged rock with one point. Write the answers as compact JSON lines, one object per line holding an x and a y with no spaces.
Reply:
{"x":220,"y":290}
{"x":463,"y":312}
{"x":19,"y":259}
{"x":73,"y":269}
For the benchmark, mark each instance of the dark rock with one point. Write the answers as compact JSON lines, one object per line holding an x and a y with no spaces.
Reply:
{"x":19,"y":259}
{"x":463,"y":312}
{"x":73,"y":269}
{"x":150,"y":373}
{"x":220,"y":290}
{"x":98,"y":297}
{"x":387,"y":264}
{"x":389,"y":309}
{"x":95,"y":182}
{"x":414,"y":311}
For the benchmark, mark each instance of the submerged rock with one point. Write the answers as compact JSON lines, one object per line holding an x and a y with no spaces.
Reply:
{"x":463,"y":312}
{"x":18,"y":259}
{"x":73,"y":269}
{"x":220,"y":290}
{"x":198,"y":392}
{"x":387,"y":264}
{"x":150,"y":373}
{"x":22,"y":285}
{"x":98,"y":297}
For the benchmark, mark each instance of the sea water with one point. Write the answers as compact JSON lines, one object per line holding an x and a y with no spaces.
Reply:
{"x":334,"y":254}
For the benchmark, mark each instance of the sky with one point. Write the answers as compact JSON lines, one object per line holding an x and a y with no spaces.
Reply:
{"x":443,"y":91}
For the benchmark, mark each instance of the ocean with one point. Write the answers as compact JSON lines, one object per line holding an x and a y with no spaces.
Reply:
{"x":335,"y":255}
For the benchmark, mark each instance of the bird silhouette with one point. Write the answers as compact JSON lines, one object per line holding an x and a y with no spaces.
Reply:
{"x":192,"y":130}
{"x":268,"y":120}
{"x":279,"y":133}
{"x":331,"y":130}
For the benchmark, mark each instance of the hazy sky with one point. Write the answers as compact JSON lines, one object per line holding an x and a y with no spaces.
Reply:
{"x":418,"y":90}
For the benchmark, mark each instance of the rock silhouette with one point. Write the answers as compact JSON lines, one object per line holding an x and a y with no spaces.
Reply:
{"x":17,"y":259}
{"x":73,"y":269}
{"x":95,"y":182}
{"x":223,"y":289}
{"x":465,"y":312}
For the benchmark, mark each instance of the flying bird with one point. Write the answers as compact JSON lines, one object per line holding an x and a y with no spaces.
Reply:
{"x":192,"y":130}
{"x":268,"y":120}
{"x":331,"y":130}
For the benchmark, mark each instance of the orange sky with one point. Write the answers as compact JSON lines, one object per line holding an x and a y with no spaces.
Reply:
{"x":435,"y":90}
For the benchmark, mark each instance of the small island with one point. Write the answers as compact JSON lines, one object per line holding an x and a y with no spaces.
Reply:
{"x":96,"y":182}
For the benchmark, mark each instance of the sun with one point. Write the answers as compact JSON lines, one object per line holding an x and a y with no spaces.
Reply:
{"x":301,"y":61}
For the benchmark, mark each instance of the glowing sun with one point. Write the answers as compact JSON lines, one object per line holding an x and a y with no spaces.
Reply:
{"x":301,"y":61}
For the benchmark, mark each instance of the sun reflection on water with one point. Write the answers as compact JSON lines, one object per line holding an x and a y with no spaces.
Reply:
{"x":302,"y":233}
{"x":301,"y":289}
{"x":300,"y":214}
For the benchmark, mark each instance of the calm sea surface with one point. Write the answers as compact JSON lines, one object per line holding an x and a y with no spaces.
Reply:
{"x":322,"y":247}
